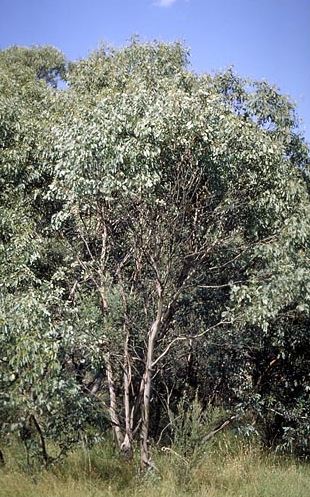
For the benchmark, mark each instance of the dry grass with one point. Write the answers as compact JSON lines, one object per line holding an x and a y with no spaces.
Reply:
{"x":225,"y":471}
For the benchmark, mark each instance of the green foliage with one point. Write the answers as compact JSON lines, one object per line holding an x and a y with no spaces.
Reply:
{"x":20,"y":67}
{"x":141,"y":176}
{"x":192,"y":429}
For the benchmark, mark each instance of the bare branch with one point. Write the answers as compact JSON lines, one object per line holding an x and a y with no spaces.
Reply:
{"x":220,"y":428}
{"x":186,"y":338}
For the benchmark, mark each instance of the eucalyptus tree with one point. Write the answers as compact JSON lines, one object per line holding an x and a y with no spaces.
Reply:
{"x":151,"y":218}
{"x":36,"y":391}
{"x":170,"y":184}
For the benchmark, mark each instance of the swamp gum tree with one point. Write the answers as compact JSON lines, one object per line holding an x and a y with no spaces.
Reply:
{"x":146,"y":209}
{"x":167,"y":179}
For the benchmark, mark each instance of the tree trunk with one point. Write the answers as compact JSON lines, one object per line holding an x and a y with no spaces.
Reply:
{"x":147,"y":383}
{"x":127,"y":443}
{"x":113,"y":407}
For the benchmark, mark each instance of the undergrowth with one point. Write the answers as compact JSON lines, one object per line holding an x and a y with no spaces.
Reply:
{"x":229,"y":467}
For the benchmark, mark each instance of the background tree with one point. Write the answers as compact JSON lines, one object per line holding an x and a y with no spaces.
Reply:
{"x":37,"y":389}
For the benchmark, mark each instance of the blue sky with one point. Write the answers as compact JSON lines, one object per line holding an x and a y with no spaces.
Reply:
{"x":262,"y":39}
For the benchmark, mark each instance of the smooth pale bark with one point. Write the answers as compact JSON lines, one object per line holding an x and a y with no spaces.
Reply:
{"x":127,"y":442}
{"x":113,"y":406}
{"x":147,"y":383}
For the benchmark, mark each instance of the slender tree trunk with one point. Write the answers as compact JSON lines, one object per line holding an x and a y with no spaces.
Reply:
{"x":113,"y":407}
{"x":45,"y":455}
{"x":127,"y":443}
{"x":147,"y":384}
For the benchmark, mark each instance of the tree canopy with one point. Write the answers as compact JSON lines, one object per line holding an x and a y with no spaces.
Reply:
{"x":154,"y":248}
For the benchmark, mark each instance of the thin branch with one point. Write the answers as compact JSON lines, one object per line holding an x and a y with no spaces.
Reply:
{"x":220,"y":286}
{"x":220,"y":428}
{"x":184,"y":338}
